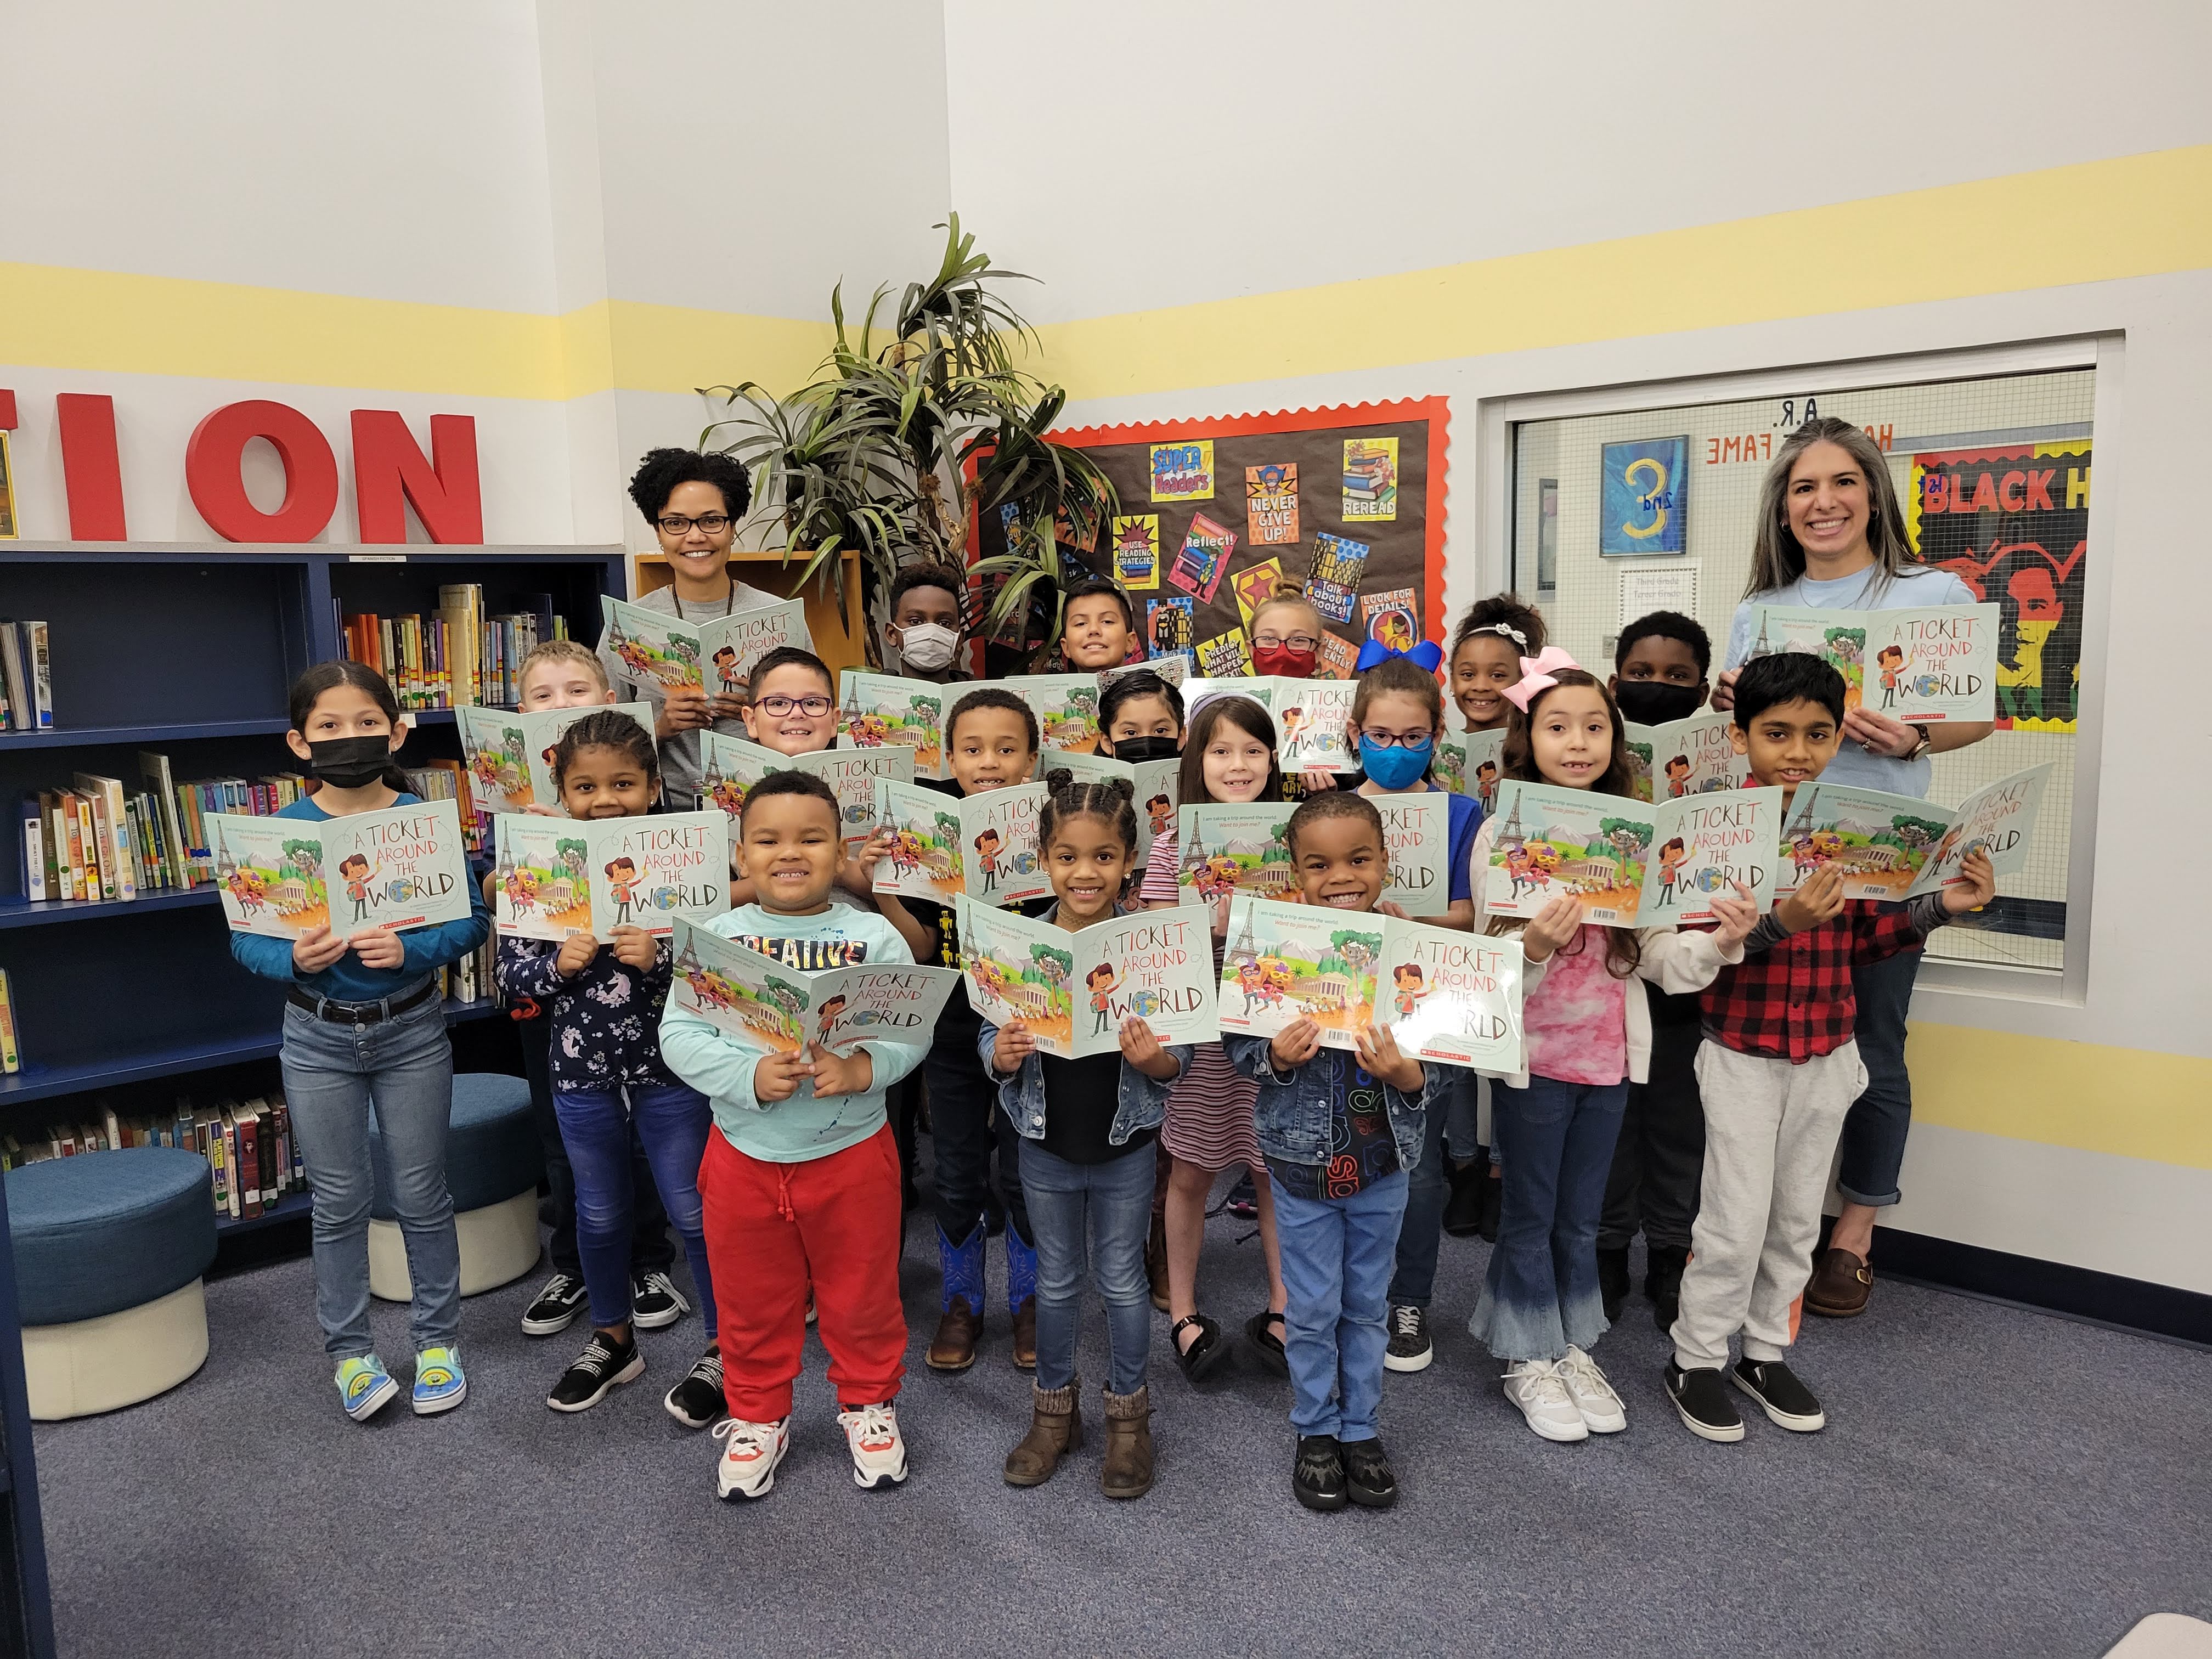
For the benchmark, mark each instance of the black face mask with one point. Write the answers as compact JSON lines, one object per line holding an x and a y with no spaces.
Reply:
{"x":1133,"y":750}
{"x":1654,"y":702}
{"x":350,"y":762}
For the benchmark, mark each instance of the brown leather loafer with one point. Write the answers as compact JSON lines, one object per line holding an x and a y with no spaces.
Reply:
{"x":1840,"y":1285}
{"x":1025,"y":1334}
{"x":953,"y":1347}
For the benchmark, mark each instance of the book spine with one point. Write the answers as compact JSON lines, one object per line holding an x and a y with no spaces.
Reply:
{"x":99,"y":878}
{"x":42,"y":675}
{"x":11,"y":1058}
{"x":249,"y":1164}
{"x":49,"y":825}
{"x":35,"y":853}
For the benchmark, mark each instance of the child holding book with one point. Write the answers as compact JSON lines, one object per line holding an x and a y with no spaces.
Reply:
{"x":991,"y":736}
{"x":1286,"y":641}
{"x":1339,"y":1132}
{"x":1098,"y":626}
{"x":363,"y":1023}
{"x":1586,"y":1040}
{"x":1778,"y":1071}
{"x":793,"y":709}
{"x":1397,"y":715}
{"x":567,"y":674}
{"x":1087,"y":1170}
{"x":1659,"y":668}
{"x":799,"y":1182}
{"x":602,"y":1005}
{"x":693,"y":502}
{"x":1229,"y":759}
{"x":924,"y":623}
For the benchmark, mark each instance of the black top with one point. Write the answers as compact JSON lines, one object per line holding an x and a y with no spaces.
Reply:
{"x":1361,"y":1149}
{"x":944,"y":919}
{"x":1669,"y":1008}
{"x":1080,"y":1099}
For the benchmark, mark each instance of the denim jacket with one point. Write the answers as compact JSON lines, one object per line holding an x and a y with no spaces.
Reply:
{"x":1292,"y":1113}
{"x":1141,"y":1101}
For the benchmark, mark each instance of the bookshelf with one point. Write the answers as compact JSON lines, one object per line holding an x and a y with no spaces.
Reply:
{"x":838,"y":643}
{"x":188,"y":650}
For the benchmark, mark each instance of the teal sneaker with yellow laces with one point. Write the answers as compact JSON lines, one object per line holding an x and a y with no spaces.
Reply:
{"x":365,"y":1387}
{"x":439,"y":1384}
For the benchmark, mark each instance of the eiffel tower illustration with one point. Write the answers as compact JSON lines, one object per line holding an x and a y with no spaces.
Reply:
{"x":1761,"y":647}
{"x":1246,"y":948}
{"x":1510,"y":834}
{"x":1802,"y":825}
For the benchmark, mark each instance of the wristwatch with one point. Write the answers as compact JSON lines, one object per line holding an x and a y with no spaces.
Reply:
{"x":1925,"y":744}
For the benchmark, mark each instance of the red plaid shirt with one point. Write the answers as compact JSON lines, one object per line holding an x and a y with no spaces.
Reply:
{"x":1794,"y":1000}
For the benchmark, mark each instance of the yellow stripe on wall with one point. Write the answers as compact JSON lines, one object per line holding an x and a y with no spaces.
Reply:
{"x":2092,"y":222}
{"x":2127,"y":1101}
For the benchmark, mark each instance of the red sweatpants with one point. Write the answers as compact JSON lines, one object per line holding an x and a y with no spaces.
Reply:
{"x":773,"y":1229}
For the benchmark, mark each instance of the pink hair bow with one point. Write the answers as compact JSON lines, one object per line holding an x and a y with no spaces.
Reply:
{"x":1538,"y":673}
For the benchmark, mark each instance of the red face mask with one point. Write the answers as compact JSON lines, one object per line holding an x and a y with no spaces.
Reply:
{"x":1281,"y":659}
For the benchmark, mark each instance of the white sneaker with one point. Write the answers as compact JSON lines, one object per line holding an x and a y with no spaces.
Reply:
{"x":1600,"y":1407}
{"x":879,"y":1452}
{"x":751,"y":1453}
{"x":1536,"y":1387}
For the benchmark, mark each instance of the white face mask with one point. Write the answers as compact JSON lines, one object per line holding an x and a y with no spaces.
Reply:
{"x":927,"y":647}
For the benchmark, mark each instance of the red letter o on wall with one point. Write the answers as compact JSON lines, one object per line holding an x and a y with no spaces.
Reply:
{"x":212,"y":473}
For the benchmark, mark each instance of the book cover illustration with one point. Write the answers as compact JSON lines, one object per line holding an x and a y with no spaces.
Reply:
{"x":1227,"y":655}
{"x":1370,"y":479}
{"x":729,"y":767}
{"x":730,"y":645}
{"x":1417,"y":840}
{"x":542,"y":731}
{"x":401,"y":867}
{"x":1271,"y":504}
{"x":1137,"y":551}
{"x":998,"y":844}
{"x":1921,"y":666}
{"x":542,"y":881}
{"x":1170,"y":669}
{"x":1879,"y":842}
{"x":1182,"y":472}
{"x":776,"y":1009}
{"x":647,"y":871}
{"x":1310,"y":717}
{"x":1452,"y":997}
{"x":497,"y":755}
{"x":1255,"y":584}
{"x":1393,"y":618}
{"x":1447,"y":769}
{"x":878,"y":711}
{"x":1155,"y":784}
{"x":1203,"y":558}
{"x":1066,"y":705}
{"x":925,"y":861}
{"x":1333,"y":580}
{"x":1484,"y":752}
{"x":1692,"y":757}
{"x":851,"y":775}
{"x":1571,"y":843}
{"x":1225,"y":849}
{"x":1170,"y":630}
{"x":653,"y":648}
{"x":1287,"y":962}
{"x":1156,"y":965}
{"x":1702,"y":846}
{"x":1641,"y":742}
{"x":1338,"y":659}
{"x":1999,"y":819}
{"x":270,"y":873}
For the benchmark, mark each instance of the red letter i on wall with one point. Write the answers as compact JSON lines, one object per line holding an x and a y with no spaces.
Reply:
{"x":90,"y":466}
{"x":387,"y":465}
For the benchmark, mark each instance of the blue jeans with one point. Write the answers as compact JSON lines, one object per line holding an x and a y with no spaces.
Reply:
{"x":1110,"y":1205}
{"x":1540,"y":1294}
{"x":1882,"y":1118}
{"x":1337,"y":1258}
{"x":1414,"y":1282}
{"x":671,"y":1124}
{"x":333,"y":1072}
{"x":649,"y":1250}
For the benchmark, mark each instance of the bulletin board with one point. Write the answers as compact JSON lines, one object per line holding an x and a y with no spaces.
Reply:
{"x":1222,"y":503}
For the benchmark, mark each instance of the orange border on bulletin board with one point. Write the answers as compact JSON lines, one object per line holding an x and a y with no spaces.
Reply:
{"x":1436,"y":411}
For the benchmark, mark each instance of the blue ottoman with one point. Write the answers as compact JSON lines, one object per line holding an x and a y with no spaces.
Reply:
{"x":109,"y":1249}
{"x":493,"y":1162}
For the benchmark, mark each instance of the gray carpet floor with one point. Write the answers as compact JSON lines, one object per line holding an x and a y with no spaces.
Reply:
{"x":1992,"y":1482}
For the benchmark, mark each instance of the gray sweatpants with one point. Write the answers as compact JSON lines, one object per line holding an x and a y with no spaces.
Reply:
{"x":1771,"y":1133}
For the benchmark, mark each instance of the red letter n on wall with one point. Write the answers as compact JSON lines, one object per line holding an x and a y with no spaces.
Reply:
{"x":387,"y":465}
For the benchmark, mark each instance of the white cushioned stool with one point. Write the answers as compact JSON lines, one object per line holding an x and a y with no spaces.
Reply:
{"x":109,"y":1250}
{"x":493,"y":1162}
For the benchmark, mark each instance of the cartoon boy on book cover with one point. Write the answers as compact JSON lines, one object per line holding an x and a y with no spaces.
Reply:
{"x":358,"y":873}
{"x":987,"y":855}
{"x":1408,"y":977}
{"x":1102,"y":983}
{"x":621,"y":887}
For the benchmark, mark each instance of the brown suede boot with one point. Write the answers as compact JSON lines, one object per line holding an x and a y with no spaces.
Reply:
{"x":1156,"y":1262}
{"x":1026,"y":1334}
{"x":1128,"y":1472}
{"x":953,"y":1347}
{"x":1055,"y":1430}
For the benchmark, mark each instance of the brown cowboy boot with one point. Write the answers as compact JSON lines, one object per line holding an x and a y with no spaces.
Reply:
{"x":953,"y":1347}
{"x":1025,"y":1334}
{"x":1128,"y":1472}
{"x":1055,"y":1430}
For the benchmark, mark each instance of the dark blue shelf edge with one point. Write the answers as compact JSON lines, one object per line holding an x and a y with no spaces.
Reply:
{"x":293,"y":1206}
{"x":88,"y":737}
{"x":16,"y":912}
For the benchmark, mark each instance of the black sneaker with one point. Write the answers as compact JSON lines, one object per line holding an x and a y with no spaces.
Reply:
{"x":1703,"y":1402}
{"x":1410,"y":1349}
{"x":654,"y":1301}
{"x":1789,"y":1404}
{"x":1613,"y":1281}
{"x":1464,"y":1208}
{"x":1317,"y":1476}
{"x":697,"y":1400}
{"x":604,"y":1362}
{"x":555,"y":1308}
{"x":1662,"y":1283}
{"x":1369,"y":1479}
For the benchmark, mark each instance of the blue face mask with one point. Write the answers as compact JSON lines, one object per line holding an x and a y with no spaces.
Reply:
{"x":1396,"y":767}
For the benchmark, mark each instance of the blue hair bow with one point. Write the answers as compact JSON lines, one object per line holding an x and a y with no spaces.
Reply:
{"x":1426,"y":655}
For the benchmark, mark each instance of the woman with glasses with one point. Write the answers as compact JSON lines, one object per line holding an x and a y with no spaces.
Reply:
{"x":692,"y":501}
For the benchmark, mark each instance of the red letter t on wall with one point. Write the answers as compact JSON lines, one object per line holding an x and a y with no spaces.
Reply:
{"x":90,"y":468}
{"x":386,"y":464}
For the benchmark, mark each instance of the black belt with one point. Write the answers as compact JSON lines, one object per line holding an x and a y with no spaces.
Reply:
{"x":360,"y":1013}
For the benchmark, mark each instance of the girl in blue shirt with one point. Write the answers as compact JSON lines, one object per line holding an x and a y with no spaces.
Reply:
{"x":362,"y":1022}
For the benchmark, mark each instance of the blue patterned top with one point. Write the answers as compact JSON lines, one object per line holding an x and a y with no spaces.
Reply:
{"x":605,"y":1022}
{"x":1361,"y":1149}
